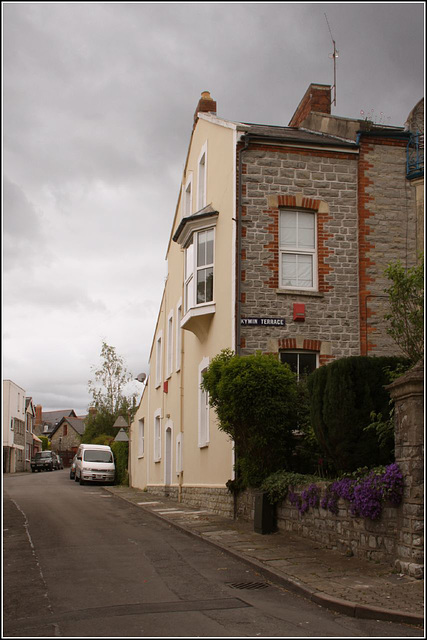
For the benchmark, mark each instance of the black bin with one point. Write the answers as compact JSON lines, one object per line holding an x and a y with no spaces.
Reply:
{"x":264,"y":515}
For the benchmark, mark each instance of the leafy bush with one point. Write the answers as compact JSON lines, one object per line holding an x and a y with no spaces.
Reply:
{"x":45,"y":443}
{"x":121,"y":452}
{"x":278,"y":484}
{"x":255,"y":401}
{"x":343,"y":396}
{"x":406,"y":316}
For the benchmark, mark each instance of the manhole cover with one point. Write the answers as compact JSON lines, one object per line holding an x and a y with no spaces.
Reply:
{"x":248,"y":585}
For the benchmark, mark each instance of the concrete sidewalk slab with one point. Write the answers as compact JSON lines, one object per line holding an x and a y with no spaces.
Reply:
{"x":348,"y":585}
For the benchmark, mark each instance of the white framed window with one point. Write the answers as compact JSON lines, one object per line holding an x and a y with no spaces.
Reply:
{"x":189,"y":277}
{"x":300,"y":362}
{"x":188,"y":197}
{"x":159,"y":357}
{"x":203,"y":432}
{"x":169,"y":346}
{"x":298,"y":251}
{"x":178,"y":454}
{"x":178,"y":335}
{"x":157,"y":436}
{"x":201,"y":178}
{"x":141,"y":437}
{"x":199,"y":269}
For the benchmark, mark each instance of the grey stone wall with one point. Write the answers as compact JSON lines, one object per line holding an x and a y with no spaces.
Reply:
{"x":215,"y":499}
{"x":408,"y":395}
{"x":391,"y":236}
{"x":398,"y":536}
{"x":331,"y":316}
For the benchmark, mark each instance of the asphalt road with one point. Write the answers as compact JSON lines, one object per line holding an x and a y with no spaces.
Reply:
{"x":80,"y":562}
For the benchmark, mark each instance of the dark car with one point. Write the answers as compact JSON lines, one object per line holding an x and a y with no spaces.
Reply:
{"x":44,"y":461}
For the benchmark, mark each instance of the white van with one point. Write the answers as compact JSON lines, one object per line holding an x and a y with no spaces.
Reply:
{"x":94,"y":463}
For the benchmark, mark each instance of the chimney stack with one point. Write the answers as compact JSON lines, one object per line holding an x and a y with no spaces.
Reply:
{"x":39,"y":411}
{"x":317,"y":98}
{"x":205,"y":105}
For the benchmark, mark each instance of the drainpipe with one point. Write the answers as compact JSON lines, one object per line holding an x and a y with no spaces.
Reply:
{"x":181,"y":416}
{"x":239,"y":280}
{"x":239,"y":244}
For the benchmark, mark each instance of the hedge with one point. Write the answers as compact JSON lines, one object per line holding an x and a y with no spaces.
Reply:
{"x":343,"y":394}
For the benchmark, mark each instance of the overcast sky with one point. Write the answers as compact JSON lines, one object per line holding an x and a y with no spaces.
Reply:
{"x":98,"y":104}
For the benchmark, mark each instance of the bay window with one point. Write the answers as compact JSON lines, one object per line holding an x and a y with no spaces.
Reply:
{"x":199,"y":266}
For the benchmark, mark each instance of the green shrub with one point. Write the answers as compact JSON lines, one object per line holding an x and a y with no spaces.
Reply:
{"x":277,"y":485}
{"x":255,"y":401}
{"x":343,"y":395}
{"x":121,"y":451}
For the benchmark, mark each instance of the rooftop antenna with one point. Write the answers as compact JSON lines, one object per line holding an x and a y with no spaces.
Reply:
{"x":334,"y":57}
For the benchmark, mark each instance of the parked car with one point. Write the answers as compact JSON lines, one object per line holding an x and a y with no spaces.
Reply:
{"x":73,"y":468}
{"x":95,"y":463}
{"x":44,"y":461}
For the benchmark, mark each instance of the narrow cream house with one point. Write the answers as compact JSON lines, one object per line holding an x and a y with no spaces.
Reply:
{"x":175,"y":440}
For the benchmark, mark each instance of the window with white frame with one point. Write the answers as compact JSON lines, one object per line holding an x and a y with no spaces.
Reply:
{"x":188,"y":197}
{"x":203,"y":407}
{"x":199,"y":269}
{"x":302,"y":363}
{"x":178,"y":336}
{"x":159,"y":356}
{"x":157,"y":436}
{"x":169,"y":343}
{"x":201,"y":180}
{"x":298,"y":253}
{"x":141,"y":437}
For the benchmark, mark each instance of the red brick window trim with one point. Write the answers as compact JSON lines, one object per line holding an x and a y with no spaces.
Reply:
{"x":322,"y":251}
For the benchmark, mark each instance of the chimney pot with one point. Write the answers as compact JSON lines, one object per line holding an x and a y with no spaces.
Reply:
{"x":205,"y":105}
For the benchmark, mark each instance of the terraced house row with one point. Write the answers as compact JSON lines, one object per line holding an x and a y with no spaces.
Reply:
{"x":279,"y":243}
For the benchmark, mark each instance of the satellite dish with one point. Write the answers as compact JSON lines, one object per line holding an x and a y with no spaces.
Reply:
{"x":141,"y":377}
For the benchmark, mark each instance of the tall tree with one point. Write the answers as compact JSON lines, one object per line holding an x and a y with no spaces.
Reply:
{"x":111,"y":378}
{"x":108,"y":397}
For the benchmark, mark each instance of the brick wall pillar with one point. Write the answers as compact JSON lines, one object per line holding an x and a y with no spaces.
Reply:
{"x":408,"y":395}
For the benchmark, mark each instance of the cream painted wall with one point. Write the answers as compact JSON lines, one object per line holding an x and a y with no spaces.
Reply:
{"x":179,"y":406}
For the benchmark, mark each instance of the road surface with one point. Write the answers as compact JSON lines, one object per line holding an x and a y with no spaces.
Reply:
{"x":80,"y":562}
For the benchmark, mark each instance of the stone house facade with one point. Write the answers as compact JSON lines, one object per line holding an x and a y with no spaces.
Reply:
{"x":66,"y":437}
{"x":350,"y":186}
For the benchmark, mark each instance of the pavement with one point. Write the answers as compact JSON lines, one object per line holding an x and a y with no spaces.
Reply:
{"x":348,"y":585}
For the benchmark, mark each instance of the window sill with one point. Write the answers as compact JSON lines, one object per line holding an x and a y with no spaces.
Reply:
{"x":198,"y":319}
{"x":300,"y":292}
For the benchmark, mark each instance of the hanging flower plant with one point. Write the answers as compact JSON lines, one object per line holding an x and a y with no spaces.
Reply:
{"x":366,"y":493}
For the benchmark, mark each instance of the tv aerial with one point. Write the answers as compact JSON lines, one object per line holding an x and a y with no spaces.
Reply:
{"x":334,"y":57}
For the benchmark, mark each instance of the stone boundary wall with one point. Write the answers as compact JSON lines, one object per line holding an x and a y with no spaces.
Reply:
{"x":217,"y":500}
{"x":398,"y":536}
{"x":361,"y":537}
